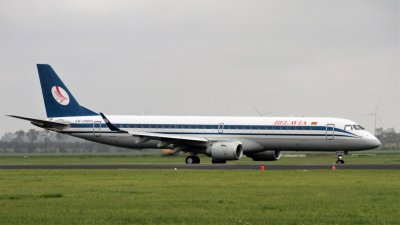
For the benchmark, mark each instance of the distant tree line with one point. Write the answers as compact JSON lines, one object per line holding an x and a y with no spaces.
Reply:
{"x":44,"y":141}
{"x":389,"y":138}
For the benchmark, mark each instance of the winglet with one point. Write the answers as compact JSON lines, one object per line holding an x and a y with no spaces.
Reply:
{"x":110,"y":125}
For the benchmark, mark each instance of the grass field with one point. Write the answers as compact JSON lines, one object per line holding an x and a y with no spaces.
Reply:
{"x":199,"y":197}
{"x":287,"y":158}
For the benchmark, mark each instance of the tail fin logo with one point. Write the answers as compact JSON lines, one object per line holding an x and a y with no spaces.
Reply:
{"x":60,"y":95}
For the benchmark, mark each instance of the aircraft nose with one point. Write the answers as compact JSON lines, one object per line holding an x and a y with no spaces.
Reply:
{"x":374,"y":143}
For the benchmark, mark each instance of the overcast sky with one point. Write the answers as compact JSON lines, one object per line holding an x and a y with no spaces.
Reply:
{"x":294,"y":58}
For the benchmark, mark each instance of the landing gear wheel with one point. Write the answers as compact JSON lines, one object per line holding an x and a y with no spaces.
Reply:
{"x":215,"y":161}
{"x":192,"y":159}
{"x":340,"y":160}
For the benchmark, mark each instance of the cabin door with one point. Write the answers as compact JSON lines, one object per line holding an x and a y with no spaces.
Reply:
{"x":221,"y":128}
{"x":330,"y":131}
{"x":97,"y":128}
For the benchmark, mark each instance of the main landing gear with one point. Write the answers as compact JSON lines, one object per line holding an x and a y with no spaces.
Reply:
{"x":192,"y":159}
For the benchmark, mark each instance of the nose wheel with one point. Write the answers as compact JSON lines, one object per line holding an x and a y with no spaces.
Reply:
{"x":340,"y":159}
{"x":192,"y":159}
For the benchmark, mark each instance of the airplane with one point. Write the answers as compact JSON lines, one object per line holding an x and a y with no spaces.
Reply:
{"x":221,"y":138}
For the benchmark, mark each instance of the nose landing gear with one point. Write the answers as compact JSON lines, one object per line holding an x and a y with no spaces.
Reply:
{"x":340,"y":159}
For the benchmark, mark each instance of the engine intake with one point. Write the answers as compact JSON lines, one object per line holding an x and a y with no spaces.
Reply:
{"x":266,"y":155}
{"x":225,"y":151}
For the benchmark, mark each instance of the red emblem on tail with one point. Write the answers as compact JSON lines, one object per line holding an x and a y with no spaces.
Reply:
{"x":60,"y":95}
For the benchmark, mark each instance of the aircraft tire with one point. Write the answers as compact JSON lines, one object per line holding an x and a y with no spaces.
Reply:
{"x":340,"y":161}
{"x":196,"y":159}
{"x":192,"y":159}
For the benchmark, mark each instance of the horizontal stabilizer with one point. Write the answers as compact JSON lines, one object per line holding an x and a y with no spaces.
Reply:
{"x":43,"y":123}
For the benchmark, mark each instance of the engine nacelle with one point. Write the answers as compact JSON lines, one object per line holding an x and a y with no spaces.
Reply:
{"x":266,"y":155}
{"x":225,"y":151}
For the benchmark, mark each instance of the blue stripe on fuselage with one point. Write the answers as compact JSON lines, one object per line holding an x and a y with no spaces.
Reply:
{"x":229,"y":127}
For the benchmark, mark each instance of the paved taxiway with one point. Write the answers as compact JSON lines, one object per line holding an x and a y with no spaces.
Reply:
{"x":209,"y":166}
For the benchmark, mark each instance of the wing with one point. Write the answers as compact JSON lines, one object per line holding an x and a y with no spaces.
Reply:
{"x":158,"y":136}
{"x":43,"y":123}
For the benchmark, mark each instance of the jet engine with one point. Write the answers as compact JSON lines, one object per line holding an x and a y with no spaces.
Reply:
{"x":266,"y":155}
{"x":225,"y":151}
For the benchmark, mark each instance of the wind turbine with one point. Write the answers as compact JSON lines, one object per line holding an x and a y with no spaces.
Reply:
{"x":376,"y":117}
{"x":149,"y":110}
{"x":260,"y":113}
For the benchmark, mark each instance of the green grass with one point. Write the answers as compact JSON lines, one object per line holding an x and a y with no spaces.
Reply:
{"x":314,"y":158}
{"x":198,"y":197}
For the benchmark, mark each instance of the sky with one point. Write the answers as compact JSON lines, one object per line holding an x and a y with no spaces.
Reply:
{"x":205,"y":57}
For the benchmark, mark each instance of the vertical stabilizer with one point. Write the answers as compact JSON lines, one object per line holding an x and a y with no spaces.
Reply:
{"x":58,"y":100}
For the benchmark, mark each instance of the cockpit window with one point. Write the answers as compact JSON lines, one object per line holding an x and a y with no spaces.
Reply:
{"x":358,"y":127}
{"x":348,"y":127}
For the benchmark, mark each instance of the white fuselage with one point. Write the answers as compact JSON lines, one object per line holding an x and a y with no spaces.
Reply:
{"x":256,"y":134}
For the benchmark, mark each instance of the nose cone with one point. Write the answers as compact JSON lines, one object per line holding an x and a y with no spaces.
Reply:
{"x":373,"y":143}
